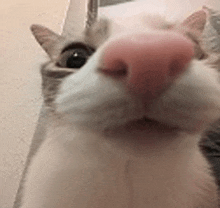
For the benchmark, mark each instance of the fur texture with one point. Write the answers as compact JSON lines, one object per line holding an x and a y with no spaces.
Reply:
{"x":105,"y":147}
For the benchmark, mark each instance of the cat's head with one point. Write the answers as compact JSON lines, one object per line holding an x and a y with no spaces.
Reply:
{"x":77,"y":88}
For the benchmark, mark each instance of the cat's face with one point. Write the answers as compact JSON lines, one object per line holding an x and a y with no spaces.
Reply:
{"x":78,"y":89}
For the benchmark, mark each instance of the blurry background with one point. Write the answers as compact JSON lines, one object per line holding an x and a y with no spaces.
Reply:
{"x":20,"y":58}
{"x":20,"y":93}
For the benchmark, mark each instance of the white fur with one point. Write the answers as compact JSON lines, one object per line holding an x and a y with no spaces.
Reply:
{"x":92,"y":159}
{"x":87,"y":169}
{"x":195,"y":95}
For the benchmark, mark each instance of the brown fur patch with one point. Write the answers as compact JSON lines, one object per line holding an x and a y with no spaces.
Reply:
{"x":52,"y":77}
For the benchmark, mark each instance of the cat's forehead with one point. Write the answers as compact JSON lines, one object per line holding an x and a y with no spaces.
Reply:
{"x":109,"y":28}
{"x":141,"y":22}
{"x":113,"y":20}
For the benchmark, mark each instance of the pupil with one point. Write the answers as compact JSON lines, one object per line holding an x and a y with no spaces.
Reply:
{"x":77,"y":59}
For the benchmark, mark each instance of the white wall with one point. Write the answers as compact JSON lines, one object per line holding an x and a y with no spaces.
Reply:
{"x":20,"y":96}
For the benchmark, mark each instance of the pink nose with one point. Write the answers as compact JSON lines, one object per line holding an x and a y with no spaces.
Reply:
{"x":147,"y":63}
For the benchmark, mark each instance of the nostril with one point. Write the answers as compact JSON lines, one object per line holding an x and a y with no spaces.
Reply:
{"x":116,"y":69}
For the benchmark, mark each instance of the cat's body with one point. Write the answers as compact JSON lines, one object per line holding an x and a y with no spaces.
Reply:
{"x":111,"y":145}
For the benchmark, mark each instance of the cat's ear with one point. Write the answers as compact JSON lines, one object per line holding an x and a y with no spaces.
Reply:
{"x":196,"y":22}
{"x":46,"y":38}
{"x":193,"y":27}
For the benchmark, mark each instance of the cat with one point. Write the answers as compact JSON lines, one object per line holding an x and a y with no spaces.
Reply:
{"x":127,"y":102}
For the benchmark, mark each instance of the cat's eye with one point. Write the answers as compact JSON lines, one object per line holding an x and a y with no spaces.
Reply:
{"x":74,"y":56}
{"x":77,"y":59}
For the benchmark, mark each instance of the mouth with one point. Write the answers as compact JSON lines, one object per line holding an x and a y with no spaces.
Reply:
{"x":150,"y":125}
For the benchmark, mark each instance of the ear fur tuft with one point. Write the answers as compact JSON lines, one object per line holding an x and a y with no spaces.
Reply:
{"x":196,"y":22}
{"x":45,"y":37}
